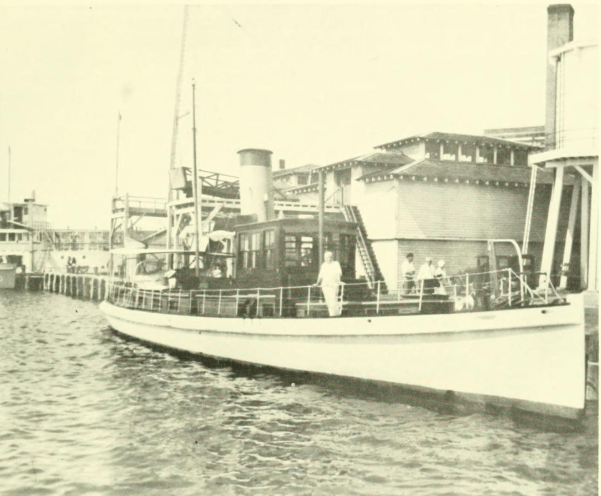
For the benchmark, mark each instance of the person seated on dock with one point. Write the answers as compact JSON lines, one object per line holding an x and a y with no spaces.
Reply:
{"x":408,"y":274}
{"x":426,"y":274}
{"x":329,"y":277}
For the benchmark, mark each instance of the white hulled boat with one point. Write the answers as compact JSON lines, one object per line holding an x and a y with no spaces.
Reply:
{"x":487,"y":338}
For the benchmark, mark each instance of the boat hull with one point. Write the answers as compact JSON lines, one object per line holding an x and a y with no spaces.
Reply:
{"x":531,"y":359}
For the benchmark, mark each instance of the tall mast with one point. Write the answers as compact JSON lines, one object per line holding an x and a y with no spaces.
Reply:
{"x":197,"y":195}
{"x":175,"y":127}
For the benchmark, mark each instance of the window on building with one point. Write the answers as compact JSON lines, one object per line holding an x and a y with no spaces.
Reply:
{"x":503,"y":156}
{"x":468,"y":152}
{"x":485,"y":155}
{"x":269,"y":247}
{"x":12,"y":236}
{"x":433,"y":150}
{"x":314,"y":178}
{"x":2,"y":236}
{"x":521,"y":157}
{"x":449,"y":151}
{"x":302,"y":179}
{"x":25,"y":210}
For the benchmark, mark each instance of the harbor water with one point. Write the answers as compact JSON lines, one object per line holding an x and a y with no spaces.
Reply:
{"x":85,"y":412}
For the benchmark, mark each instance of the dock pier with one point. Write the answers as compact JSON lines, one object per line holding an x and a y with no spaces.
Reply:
{"x":85,"y":286}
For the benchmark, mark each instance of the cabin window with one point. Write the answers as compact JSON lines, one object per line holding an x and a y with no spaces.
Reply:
{"x":243,"y":251}
{"x":255,"y":244}
{"x":291,"y":255}
{"x":11,"y":236}
{"x":269,"y":244}
{"x":2,"y":236}
{"x":302,"y":179}
{"x":306,"y":247}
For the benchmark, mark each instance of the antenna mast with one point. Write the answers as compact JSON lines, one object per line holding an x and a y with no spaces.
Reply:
{"x":175,"y":125}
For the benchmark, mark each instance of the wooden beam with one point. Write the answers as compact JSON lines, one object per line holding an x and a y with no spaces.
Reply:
{"x":567,"y":249}
{"x":585,"y":174}
{"x":593,"y":247}
{"x":584,"y":227}
{"x":551,"y":230}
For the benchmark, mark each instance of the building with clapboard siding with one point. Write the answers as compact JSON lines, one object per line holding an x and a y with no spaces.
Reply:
{"x":442,"y":195}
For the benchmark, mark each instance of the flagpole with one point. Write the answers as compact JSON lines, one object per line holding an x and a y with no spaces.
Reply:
{"x":117,"y":157}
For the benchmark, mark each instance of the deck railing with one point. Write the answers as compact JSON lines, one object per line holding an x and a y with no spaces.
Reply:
{"x":503,"y":288}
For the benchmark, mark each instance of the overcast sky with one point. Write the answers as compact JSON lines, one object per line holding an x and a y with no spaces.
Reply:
{"x":315,"y":84}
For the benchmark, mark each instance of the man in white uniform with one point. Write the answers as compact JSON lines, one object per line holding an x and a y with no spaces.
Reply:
{"x":408,"y":273}
{"x":330,"y":279}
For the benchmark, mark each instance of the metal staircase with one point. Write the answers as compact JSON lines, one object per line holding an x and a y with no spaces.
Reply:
{"x":366,"y":251}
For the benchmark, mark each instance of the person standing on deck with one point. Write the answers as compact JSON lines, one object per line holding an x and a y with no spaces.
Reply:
{"x":330,"y":279}
{"x":408,"y":274}
{"x":440,"y":274}
{"x":426,"y":274}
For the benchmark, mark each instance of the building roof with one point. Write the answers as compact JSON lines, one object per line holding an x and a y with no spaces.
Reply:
{"x":463,"y":172}
{"x":460,"y":138}
{"x":303,"y":169}
{"x":386,"y":160}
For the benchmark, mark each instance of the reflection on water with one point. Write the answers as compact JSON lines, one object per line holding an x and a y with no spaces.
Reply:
{"x":83,"y":411}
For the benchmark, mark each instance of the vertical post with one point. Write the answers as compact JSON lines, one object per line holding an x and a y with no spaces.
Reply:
{"x":258,"y":301}
{"x":467,"y":284}
{"x":197,"y":213}
{"x":421,"y":295}
{"x":441,"y":152}
{"x":593,"y":283}
{"x":459,"y":152}
{"x":204,"y":300}
{"x":509,"y":288}
{"x":219,"y":302}
{"x":179,"y":301}
{"x":512,"y":157}
{"x":495,"y":153}
{"x":567,"y":250}
{"x":477,"y":155}
{"x":584,"y":232}
{"x":237,"y":301}
{"x":321,"y":215}
{"x":378,"y":297}
{"x":152,"y":300}
{"x":281,"y":300}
{"x":551,"y":230}
{"x":308,"y":301}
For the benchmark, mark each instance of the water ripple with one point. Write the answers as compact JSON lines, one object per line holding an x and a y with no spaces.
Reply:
{"x":83,"y":411}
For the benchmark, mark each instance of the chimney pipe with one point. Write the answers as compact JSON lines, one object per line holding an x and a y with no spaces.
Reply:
{"x":560,"y":30}
{"x":256,"y":188}
{"x":282,"y":164}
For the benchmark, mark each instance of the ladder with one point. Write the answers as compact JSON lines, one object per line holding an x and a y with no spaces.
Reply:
{"x":372,"y":270}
